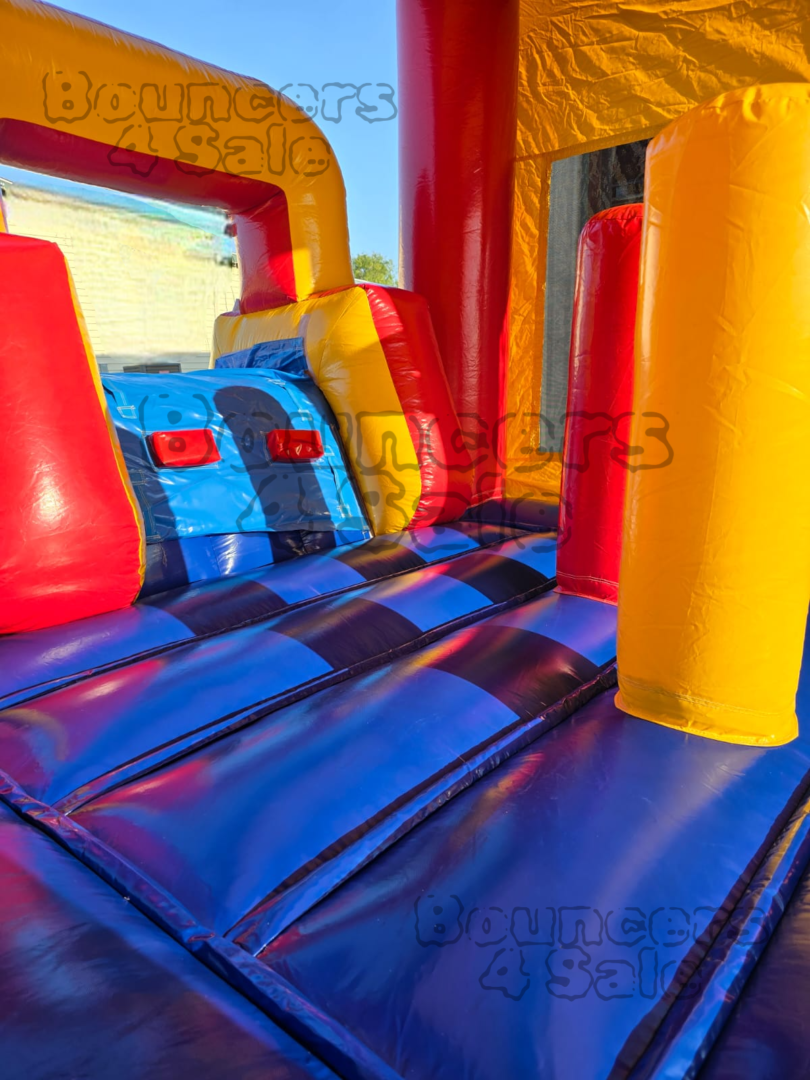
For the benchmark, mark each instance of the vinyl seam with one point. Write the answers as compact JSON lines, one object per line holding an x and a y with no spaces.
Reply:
{"x":261,"y":709}
{"x":246,"y":975}
{"x":41,"y":690}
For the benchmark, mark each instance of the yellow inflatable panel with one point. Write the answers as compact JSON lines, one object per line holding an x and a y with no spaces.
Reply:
{"x":599,"y":74}
{"x":348,"y":364}
{"x":713,"y":595}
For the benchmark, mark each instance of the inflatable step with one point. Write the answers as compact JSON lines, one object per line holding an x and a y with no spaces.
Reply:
{"x":609,"y":879}
{"x":34,"y":662}
{"x":65,"y":739}
{"x":294,"y":802}
{"x":92,"y":988}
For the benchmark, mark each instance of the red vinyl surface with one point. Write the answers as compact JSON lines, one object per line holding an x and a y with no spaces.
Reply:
{"x":458,"y":66}
{"x":600,"y":401}
{"x":288,"y":445}
{"x":70,"y":539}
{"x":181,"y":449}
{"x":402,"y":321}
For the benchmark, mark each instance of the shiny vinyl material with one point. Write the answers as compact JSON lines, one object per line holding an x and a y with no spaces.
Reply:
{"x":172,"y":699}
{"x":89,"y":987}
{"x":600,"y":74}
{"x":724,"y":321}
{"x":410,"y":824}
{"x":596,"y":460}
{"x":32,"y":663}
{"x":83,"y":100}
{"x":66,"y":497}
{"x":768,"y":1034}
{"x":245,"y":490}
{"x":403,"y":323}
{"x":348,"y":363}
{"x":373,"y":352}
{"x":173,"y":564}
{"x":305,"y":784}
{"x":547,"y":921}
{"x":583,"y":863}
{"x":458,"y":68}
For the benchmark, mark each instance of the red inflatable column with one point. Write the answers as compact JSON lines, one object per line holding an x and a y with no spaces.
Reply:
{"x":600,"y":400}
{"x":458,"y":67}
{"x":71,"y":537}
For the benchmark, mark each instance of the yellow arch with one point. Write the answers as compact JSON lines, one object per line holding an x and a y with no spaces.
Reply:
{"x":71,"y":75}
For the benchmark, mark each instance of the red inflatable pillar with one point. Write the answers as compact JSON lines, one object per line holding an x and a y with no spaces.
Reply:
{"x":458,"y":67}
{"x":71,"y":537}
{"x":600,"y":401}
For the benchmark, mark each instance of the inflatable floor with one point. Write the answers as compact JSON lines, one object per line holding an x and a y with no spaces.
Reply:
{"x":396,"y":829}
{"x":367,"y":712}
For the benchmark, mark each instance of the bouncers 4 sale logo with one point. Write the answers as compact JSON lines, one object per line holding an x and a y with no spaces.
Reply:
{"x":578,"y":951}
{"x":246,"y":130}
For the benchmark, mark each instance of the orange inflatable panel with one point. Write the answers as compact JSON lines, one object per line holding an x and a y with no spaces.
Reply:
{"x":70,"y":533}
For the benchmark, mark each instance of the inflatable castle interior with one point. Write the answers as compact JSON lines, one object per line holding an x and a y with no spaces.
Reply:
{"x":408,"y":695}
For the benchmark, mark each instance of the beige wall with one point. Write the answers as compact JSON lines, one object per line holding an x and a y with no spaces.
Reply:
{"x":148,"y":287}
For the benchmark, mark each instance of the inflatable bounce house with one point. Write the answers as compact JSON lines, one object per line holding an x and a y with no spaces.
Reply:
{"x":352,"y":726}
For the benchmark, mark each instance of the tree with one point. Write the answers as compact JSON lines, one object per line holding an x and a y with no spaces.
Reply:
{"x":374,"y":267}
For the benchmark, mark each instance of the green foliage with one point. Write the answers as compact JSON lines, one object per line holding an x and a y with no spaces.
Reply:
{"x":374,"y":267}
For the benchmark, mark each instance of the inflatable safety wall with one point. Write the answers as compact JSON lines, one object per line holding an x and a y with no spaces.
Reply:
{"x":232,"y":451}
{"x":71,"y":537}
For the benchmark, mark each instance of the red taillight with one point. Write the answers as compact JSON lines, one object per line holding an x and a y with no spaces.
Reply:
{"x":184,"y":449}
{"x":287,"y":445}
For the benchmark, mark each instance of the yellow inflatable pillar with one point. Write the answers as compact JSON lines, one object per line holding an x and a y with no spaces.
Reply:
{"x":715,"y":575}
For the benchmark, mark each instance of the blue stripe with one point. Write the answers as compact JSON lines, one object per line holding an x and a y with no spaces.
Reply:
{"x":539,"y":552}
{"x":62,"y":653}
{"x":78,"y":732}
{"x":31,"y":660}
{"x":439,"y":541}
{"x":95,"y":989}
{"x":294,"y":582}
{"x":586,"y":626}
{"x":289,"y":785}
{"x":446,"y":599}
{"x":604,"y":818}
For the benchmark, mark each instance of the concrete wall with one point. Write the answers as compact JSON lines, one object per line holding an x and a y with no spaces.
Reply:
{"x":150,"y":288}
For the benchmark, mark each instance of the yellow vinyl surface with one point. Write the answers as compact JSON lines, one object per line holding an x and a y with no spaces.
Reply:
{"x":348,"y":365}
{"x":715,"y":576}
{"x":600,"y":73}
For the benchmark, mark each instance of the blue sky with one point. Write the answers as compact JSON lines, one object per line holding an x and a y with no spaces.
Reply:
{"x":312,"y":42}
